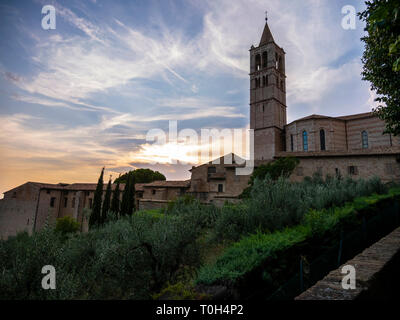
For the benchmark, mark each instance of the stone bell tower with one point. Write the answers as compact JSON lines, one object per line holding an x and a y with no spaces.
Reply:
{"x":267,"y":96}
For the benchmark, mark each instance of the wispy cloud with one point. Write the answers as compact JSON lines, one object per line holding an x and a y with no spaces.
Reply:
{"x":134,"y":68}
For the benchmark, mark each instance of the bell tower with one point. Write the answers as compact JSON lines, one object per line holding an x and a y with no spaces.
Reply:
{"x":267,"y":96}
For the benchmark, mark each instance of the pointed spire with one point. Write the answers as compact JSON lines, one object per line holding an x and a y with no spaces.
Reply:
{"x":267,"y":35}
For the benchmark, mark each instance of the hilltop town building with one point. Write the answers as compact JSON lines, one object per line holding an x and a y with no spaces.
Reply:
{"x":347,"y":145}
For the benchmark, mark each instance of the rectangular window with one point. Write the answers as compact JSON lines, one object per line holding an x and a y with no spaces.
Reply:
{"x":352,"y":170}
{"x":220,"y":188}
{"x":212,"y":170}
{"x":73,"y":203}
{"x":90,"y":203}
{"x":52,"y":202}
{"x":65,"y":202}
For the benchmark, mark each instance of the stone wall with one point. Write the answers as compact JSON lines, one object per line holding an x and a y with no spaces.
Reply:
{"x":15,"y":216}
{"x":384,"y":166}
{"x":376,"y":274}
{"x":145,"y":204}
{"x":374,"y":127}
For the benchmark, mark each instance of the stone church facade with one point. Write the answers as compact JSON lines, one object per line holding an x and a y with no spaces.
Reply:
{"x":347,"y":145}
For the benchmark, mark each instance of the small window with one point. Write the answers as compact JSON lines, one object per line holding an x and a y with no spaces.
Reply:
{"x":322,"y":139}
{"x":352,"y":170}
{"x":220,"y":188}
{"x":305,"y":141}
{"x":48,"y":191}
{"x":52,"y":202}
{"x":73,"y":203}
{"x":90,"y":203}
{"x":258,"y":62}
{"x":212,"y":170}
{"x":14,"y":194}
{"x":282,"y":85}
{"x":280,"y":64}
{"x":65,"y":202}
{"x":263,"y":108}
{"x":153,"y":191}
{"x":364,"y":137}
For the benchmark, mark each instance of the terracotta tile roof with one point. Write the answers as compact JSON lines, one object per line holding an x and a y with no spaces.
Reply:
{"x":357,"y":116}
{"x":342,"y":118}
{"x":221,"y":161}
{"x":169,"y":184}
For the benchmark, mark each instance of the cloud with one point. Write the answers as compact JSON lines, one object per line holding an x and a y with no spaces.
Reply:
{"x":136,"y":75}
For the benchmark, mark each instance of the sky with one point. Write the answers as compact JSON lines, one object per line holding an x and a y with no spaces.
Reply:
{"x":85,"y":94}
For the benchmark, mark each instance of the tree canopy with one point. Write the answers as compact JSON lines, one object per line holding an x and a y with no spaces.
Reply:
{"x":142,"y":176}
{"x":381,"y":58}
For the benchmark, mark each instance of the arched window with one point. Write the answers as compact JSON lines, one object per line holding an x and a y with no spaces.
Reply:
{"x":305,"y":141}
{"x":265,"y":59}
{"x":364,"y":137}
{"x":322,"y":139}
{"x":258,"y":62}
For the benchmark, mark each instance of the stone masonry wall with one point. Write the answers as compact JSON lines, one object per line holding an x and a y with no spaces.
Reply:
{"x":373,"y":266}
{"x":15,"y":216}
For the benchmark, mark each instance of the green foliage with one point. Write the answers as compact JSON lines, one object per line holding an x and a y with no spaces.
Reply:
{"x":283,"y":167}
{"x":260,"y":251}
{"x":106,"y":203}
{"x":130,"y":258}
{"x":276,"y":204}
{"x":115,"y":200}
{"x":67,"y":225}
{"x":128,"y":197}
{"x":381,"y":58}
{"x":142,"y":176}
{"x":179,"y":291}
{"x":95,"y":217}
{"x":179,"y":203}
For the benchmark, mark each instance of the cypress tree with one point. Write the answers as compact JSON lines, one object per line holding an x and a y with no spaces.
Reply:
{"x":106,"y":203}
{"x":95,"y":217}
{"x":125,"y":197}
{"x":131,"y":207}
{"x":115,"y":200}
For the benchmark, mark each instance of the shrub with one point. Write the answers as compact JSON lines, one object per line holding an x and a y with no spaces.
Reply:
{"x":276,"y":204}
{"x":271,"y":254}
{"x":67,"y":225}
{"x":130,"y":258}
{"x":283,"y":167}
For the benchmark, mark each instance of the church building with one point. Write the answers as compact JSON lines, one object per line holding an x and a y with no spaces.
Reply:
{"x":347,"y":145}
